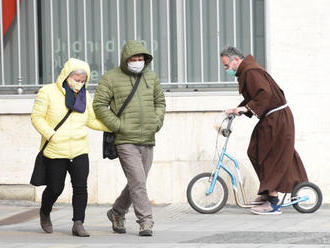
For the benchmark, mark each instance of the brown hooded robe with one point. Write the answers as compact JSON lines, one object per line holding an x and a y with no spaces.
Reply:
{"x":271,"y":149}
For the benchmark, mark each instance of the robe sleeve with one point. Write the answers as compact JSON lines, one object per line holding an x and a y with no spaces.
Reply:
{"x":243,"y":103}
{"x":257,"y":86}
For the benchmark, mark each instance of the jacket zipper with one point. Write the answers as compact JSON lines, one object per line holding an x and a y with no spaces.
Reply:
{"x":141,"y":110}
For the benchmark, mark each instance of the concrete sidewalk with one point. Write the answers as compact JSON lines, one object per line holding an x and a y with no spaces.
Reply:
{"x":176,"y":225}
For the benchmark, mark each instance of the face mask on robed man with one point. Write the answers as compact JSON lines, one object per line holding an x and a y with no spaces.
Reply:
{"x":74,"y":85}
{"x":135,"y":66}
{"x":231,"y":72}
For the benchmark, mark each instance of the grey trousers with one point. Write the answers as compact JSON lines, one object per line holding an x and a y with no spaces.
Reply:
{"x":136,"y":161}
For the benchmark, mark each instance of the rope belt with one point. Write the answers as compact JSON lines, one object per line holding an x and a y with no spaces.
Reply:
{"x":276,"y":109}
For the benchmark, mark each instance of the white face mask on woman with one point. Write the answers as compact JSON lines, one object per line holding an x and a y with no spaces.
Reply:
{"x":135,"y":66}
{"x":75,"y":85}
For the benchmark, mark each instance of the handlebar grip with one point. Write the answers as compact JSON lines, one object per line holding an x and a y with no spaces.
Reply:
{"x":231,"y":116}
{"x":241,"y":112}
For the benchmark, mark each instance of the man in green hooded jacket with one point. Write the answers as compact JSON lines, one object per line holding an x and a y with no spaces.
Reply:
{"x":135,"y":129}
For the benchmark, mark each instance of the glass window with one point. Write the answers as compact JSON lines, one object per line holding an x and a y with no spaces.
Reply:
{"x":18,"y":43}
{"x":211,"y":26}
{"x":184,"y":36}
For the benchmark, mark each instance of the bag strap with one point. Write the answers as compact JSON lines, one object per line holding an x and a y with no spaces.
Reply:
{"x":57,"y":127}
{"x":130,"y":96}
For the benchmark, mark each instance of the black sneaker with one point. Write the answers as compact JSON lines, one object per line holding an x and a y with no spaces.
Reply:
{"x":145,"y":229}
{"x":118,"y":222}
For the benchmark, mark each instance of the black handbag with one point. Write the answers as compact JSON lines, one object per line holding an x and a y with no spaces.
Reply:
{"x":109,"y":148}
{"x":38,"y":177}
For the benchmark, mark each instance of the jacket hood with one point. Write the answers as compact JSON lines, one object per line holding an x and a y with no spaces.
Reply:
{"x":247,"y":64}
{"x":131,"y":48}
{"x":71,"y":65}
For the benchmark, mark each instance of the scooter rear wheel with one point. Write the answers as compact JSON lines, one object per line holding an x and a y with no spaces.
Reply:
{"x":312,"y":192}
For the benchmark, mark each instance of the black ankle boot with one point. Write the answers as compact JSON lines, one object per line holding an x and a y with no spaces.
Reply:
{"x":46,"y":223}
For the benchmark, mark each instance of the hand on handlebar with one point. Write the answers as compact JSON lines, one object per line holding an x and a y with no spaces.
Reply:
{"x":237,"y":111}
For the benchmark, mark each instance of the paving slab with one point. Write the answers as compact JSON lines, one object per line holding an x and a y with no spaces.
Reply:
{"x":176,"y":225}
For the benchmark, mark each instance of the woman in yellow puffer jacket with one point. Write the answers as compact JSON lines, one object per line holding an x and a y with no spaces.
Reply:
{"x":68,"y":147}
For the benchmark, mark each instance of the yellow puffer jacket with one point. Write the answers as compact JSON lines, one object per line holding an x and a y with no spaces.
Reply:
{"x":49,"y":108}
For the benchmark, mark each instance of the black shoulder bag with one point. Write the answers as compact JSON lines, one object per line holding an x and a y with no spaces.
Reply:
{"x":109,"y":148}
{"x":38,"y":177}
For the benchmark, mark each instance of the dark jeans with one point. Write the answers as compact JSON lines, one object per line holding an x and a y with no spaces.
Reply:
{"x":78,"y":169}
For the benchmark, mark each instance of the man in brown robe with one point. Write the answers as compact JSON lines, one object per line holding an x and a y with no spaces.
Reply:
{"x":271,"y":149}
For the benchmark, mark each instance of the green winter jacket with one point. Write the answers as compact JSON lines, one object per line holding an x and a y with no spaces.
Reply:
{"x":144,"y":114}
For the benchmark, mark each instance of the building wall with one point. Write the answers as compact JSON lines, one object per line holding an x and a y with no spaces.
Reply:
{"x":185,"y":147}
{"x":296,"y":54}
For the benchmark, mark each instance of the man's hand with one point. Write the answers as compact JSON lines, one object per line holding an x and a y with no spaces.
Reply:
{"x":229,"y":111}
{"x":217,"y":127}
{"x":236,"y":111}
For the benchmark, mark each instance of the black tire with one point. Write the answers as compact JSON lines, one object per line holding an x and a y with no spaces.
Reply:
{"x":196,"y":194}
{"x":313,"y":192}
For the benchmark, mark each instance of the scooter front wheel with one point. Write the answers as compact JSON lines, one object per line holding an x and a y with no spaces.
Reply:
{"x":203,"y":202}
{"x":310,"y":196}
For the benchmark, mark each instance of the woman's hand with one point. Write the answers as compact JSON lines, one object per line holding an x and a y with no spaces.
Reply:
{"x":53,"y":138}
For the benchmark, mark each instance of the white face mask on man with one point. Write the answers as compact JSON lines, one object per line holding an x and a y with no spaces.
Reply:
{"x":135,"y":66}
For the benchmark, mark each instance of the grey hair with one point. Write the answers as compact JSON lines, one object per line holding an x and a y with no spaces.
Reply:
{"x":80,"y":71}
{"x":231,"y":52}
